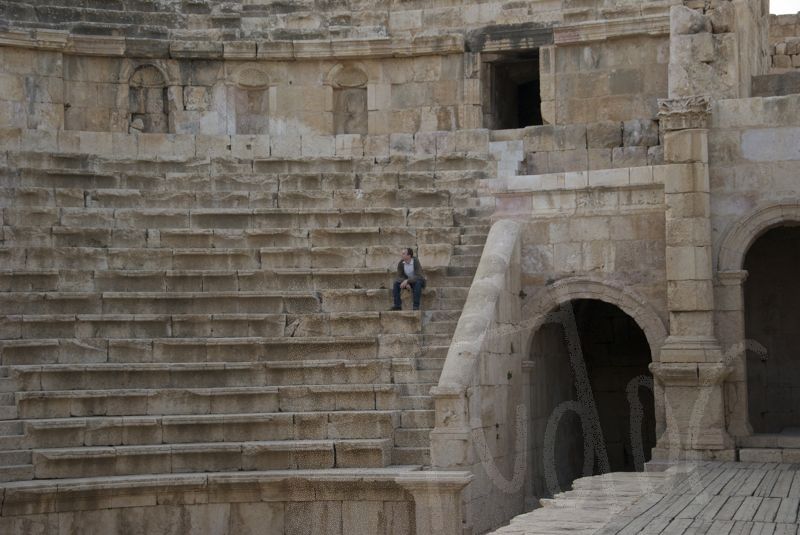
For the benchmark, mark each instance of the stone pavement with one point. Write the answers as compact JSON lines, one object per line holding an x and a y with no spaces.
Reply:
{"x":735,"y":497}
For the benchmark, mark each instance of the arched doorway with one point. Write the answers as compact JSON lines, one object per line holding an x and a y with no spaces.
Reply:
{"x":771,"y":294}
{"x":592,"y":403}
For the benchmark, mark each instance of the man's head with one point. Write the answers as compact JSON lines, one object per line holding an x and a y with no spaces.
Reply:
{"x":407,"y":254}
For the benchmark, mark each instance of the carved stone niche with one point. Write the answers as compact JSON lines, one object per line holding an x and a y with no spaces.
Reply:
{"x":147,"y":101}
{"x":684,"y":113}
{"x":349,"y":84}
{"x":251,"y":100}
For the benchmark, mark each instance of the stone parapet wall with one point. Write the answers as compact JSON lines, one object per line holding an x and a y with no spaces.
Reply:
{"x":477,"y":418}
{"x":367,"y":502}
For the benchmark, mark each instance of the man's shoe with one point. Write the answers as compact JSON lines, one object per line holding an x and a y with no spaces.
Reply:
{"x":396,"y":308}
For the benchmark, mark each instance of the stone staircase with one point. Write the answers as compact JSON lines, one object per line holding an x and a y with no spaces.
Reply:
{"x":197,"y":317}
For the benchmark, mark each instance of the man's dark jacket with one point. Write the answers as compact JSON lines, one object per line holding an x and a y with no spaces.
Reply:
{"x":401,"y":273}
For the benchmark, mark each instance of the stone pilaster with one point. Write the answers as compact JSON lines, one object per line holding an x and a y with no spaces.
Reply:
{"x":691,"y":367}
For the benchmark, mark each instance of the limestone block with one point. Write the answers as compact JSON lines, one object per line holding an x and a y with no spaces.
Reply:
{"x":569,"y":137}
{"x":606,"y":134}
{"x":686,"y":146}
{"x":349,"y":145}
{"x":472,"y":141}
{"x":640,"y":132}
{"x":318,"y":146}
{"x":435,"y":255}
{"x":376,"y":145}
{"x":609,"y":177}
{"x":723,"y":17}
{"x":285,"y":144}
{"x":327,"y":518}
{"x":684,"y":20}
{"x":629,"y":156}
{"x":245,"y":147}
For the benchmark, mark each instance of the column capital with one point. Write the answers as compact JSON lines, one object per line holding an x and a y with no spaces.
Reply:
{"x":684,"y":113}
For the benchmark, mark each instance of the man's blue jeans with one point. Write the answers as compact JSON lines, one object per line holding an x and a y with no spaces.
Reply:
{"x":416,"y":286}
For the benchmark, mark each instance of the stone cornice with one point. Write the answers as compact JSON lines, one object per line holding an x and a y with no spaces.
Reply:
{"x":90,"y":45}
{"x":601,"y":30}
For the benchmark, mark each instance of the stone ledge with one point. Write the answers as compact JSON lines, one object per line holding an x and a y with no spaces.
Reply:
{"x":601,"y":30}
{"x":64,"y":41}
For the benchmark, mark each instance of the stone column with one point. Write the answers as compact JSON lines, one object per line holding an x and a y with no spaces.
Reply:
{"x":729,"y":300}
{"x":691,"y":367}
{"x":437,"y":500}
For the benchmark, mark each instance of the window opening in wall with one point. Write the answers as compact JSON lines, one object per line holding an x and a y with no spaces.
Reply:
{"x":514,"y":97}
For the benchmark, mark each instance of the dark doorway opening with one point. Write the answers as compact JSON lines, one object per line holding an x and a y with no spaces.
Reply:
{"x":614,"y":367}
{"x":772,"y":320}
{"x":514,"y":97}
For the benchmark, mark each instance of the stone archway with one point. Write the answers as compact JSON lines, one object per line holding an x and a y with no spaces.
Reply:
{"x":620,"y":334}
{"x":730,"y":316}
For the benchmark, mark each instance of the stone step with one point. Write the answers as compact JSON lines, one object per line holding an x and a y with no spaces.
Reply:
{"x":154,"y":184}
{"x":430,"y":364}
{"x":8,"y":412}
{"x":213,"y":302}
{"x":224,"y":239}
{"x":173,"y":350}
{"x":15,"y":457}
{"x":473,"y":239}
{"x":440,"y":327}
{"x":10,"y":428}
{"x":181,"y":429}
{"x":171,"y":401}
{"x":210,"y":457}
{"x":417,"y":418}
{"x":436,"y":339}
{"x":413,"y":437}
{"x":12,"y":442}
{"x":312,"y":216}
{"x":22,"y":472}
{"x":411,"y":456}
{"x":216,"y":280}
{"x":270,"y":258}
{"x":226,"y":218}
{"x":275,"y":302}
{"x":205,"y":325}
{"x":465,"y":260}
{"x":468,"y":250}
{"x":416,"y":402}
{"x":200,"y":375}
{"x":434,"y":352}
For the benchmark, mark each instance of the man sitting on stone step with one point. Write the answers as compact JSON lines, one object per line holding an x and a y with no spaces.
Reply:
{"x":409,"y":276}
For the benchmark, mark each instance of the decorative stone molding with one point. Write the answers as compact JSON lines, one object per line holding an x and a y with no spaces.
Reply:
{"x":250,"y":76}
{"x":684,"y":113}
{"x":271,"y":50}
{"x":690,"y":373}
{"x":732,"y":278}
{"x":347,"y":76}
{"x":602,"y":30}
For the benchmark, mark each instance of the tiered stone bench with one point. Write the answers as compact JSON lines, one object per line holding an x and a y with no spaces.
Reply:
{"x":214,"y":320}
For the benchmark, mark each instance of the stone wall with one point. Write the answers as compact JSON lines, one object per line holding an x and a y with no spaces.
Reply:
{"x":614,"y":80}
{"x":784,"y":39}
{"x":51,"y":91}
{"x":753,"y":174}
